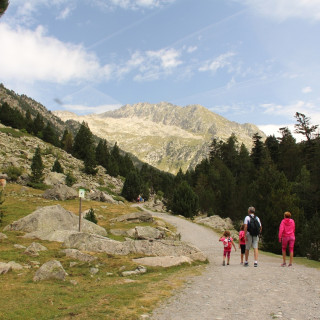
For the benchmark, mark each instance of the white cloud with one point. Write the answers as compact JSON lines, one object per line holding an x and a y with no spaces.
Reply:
{"x":309,"y":109}
{"x":31,"y":56}
{"x":133,"y":4}
{"x":64,"y":14}
{"x":306,"y":90}
{"x":285,"y":9}
{"x":82,"y":109}
{"x":217,"y":63}
{"x":151,"y":65}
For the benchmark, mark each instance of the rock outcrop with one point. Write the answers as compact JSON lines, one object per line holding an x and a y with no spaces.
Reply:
{"x":46,"y":221}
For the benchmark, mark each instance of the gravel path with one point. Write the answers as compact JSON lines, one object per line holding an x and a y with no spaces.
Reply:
{"x":235,"y":292}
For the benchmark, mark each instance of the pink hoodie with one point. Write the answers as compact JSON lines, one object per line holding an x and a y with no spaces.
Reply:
{"x":287,"y":228}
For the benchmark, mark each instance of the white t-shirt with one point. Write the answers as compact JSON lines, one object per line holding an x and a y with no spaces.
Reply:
{"x":247,"y":219}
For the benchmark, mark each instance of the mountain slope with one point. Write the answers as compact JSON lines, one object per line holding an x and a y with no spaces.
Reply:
{"x":164,"y":135}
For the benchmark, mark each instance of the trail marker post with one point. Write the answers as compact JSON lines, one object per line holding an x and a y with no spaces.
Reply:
{"x":81,"y":196}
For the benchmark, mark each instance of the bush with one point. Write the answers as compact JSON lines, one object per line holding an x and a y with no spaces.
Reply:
{"x":90,"y":216}
{"x":13,"y":173}
{"x":70,"y":179}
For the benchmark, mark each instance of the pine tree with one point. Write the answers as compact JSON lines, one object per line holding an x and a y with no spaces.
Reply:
{"x":67,"y":141}
{"x":57,"y":167}
{"x":132,"y":186}
{"x":184,"y":201}
{"x":84,"y":149}
{"x":37,"y":167}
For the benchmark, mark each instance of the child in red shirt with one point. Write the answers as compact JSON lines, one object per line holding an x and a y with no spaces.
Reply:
{"x":227,"y":246}
{"x":242,"y":242}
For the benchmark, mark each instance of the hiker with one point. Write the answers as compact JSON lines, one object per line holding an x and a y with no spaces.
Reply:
{"x":227,"y":246}
{"x":287,"y":237}
{"x":252,"y":230}
{"x":242,"y":242}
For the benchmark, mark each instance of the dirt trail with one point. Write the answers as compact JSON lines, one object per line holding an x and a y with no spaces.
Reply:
{"x":236,"y":292}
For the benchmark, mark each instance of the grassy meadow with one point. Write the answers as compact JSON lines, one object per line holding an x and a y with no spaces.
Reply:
{"x":105,"y":295}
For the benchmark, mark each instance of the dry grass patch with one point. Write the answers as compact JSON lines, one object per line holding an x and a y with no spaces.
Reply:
{"x":106,"y":295}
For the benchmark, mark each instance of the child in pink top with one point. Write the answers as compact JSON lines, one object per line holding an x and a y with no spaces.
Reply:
{"x":287,"y":237}
{"x":242,"y":242}
{"x":227,"y":246}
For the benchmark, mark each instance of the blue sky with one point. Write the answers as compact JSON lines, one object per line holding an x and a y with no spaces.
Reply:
{"x":253,"y":61}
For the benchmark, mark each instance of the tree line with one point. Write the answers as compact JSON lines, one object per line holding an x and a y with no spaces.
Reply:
{"x":275,"y":176}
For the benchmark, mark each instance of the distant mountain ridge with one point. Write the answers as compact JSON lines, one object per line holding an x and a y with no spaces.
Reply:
{"x":164,"y":135}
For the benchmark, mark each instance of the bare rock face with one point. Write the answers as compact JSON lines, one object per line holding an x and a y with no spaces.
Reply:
{"x":52,"y":218}
{"x":50,"y":270}
{"x":78,"y":255}
{"x":145,"y":233}
{"x":5,"y":268}
{"x":60,"y":192}
{"x":54,"y":178}
{"x":95,"y":243}
{"x":165,"y":262}
{"x":164,"y":135}
{"x":134,"y":217}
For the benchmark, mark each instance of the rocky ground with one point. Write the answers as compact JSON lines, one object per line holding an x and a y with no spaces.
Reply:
{"x":235,"y":292}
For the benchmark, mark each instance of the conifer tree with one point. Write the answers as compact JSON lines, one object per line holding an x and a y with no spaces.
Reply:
{"x":57,"y":167}
{"x":37,"y":167}
{"x":84,"y":149}
{"x":184,"y":201}
{"x":132,"y":186}
{"x":67,"y":141}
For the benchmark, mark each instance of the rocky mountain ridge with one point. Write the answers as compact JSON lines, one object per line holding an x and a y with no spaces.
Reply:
{"x":164,"y":135}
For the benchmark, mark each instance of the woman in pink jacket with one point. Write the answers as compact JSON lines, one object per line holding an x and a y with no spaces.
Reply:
{"x":287,"y":237}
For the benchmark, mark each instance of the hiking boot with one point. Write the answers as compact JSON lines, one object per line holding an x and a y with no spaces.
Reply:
{"x":255,"y":264}
{"x":246,"y":264}
{"x":283,"y":264}
{"x":223,"y":263}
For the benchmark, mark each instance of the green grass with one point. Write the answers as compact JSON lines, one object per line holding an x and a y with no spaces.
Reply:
{"x":298,"y":260}
{"x":100,"y":296}
{"x":14,"y":132}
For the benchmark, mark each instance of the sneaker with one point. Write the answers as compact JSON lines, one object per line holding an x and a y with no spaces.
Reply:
{"x":223,"y":263}
{"x":246,"y":264}
{"x":283,"y":264}
{"x":255,"y":264}
{"x":241,"y":262}
{"x":290,"y":265}
{"x":227,"y":263}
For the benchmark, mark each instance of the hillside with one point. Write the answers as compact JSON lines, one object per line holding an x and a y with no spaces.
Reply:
{"x":164,"y":135}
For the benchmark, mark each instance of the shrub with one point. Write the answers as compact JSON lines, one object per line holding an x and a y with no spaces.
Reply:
{"x":70,"y":179}
{"x":90,"y":216}
{"x":13,"y":173}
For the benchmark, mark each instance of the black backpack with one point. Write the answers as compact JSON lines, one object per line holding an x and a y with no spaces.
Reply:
{"x":254,"y":226}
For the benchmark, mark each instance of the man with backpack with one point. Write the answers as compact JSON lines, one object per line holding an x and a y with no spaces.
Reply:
{"x":252,"y":230}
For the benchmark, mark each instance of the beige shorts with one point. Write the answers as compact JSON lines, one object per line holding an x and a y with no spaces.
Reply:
{"x":251,"y":241}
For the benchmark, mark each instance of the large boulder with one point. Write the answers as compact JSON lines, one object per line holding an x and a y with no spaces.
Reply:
{"x":78,"y":255}
{"x":145,"y":233}
{"x":60,"y":192}
{"x":50,"y":270}
{"x":165,"y":262}
{"x":134,"y":217}
{"x":95,"y":243}
{"x":54,"y":178}
{"x":48,"y":220}
{"x":101,"y":196}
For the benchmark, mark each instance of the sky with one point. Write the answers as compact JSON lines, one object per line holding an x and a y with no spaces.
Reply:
{"x":250,"y":61}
